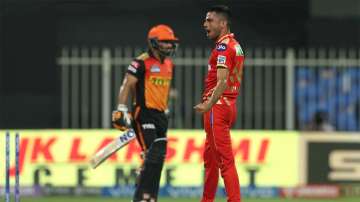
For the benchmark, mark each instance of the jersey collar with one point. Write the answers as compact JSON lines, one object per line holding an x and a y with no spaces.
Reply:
{"x":151,"y":54}
{"x":231,"y":35}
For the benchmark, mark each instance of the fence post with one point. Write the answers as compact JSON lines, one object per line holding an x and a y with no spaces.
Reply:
{"x":65,"y":105}
{"x":290,"y":79}
{"x":106,"y":85}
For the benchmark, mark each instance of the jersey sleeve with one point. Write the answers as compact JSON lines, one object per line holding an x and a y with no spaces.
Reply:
{"x":136,"y":68}
{"x":225,"y":56}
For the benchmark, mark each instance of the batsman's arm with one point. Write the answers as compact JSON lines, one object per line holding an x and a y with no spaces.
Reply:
{"x":127,"y":88}
{"x":121,"y":118}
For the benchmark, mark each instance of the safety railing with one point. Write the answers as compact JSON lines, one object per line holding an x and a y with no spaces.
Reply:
{"x":276,"y":92}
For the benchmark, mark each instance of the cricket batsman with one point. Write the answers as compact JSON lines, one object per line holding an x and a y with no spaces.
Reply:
{"x":148,"y":80}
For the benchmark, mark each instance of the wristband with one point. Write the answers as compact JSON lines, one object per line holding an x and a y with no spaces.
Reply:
{"x":122,"y":107}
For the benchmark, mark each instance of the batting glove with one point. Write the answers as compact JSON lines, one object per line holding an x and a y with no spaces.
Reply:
{"x":121,"y":118}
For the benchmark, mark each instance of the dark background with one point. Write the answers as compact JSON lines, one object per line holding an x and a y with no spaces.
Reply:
{"x":318,"y":165}
{"x":32,"y":32}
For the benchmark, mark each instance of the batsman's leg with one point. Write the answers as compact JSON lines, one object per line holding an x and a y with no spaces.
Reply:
{"x":148,"y":186}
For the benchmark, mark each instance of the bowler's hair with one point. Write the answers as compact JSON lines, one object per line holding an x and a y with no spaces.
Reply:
{"x":223,"y":11}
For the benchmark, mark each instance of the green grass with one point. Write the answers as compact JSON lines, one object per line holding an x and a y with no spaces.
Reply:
{"x":98,"y":199}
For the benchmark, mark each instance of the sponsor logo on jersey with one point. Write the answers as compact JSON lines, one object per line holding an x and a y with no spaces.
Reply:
{"x":132,"y":69}
{"x":135,"y":64}
{"x":221,"y":59}
{"x":160,"y":81}
{"x":148,"y":126}
{"x":221,"y":47}
{"x":155,"y":69}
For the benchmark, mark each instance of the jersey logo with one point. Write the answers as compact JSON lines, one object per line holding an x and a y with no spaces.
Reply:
{"x":132,"y":69}
{"x":160,"y":81}
{"x":238,"y":50}
{"x":148,"y":126}
{"x":221,"y":47}
{"x":221,"y":59}
{"x":135,"y":64}
{"x":155,"y":69}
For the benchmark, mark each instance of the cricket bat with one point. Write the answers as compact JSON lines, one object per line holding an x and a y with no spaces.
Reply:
{"x":112,"y":147}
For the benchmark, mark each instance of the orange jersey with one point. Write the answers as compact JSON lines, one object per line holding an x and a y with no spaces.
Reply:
{"x":227,"y":54}
{"x":154,"y":79}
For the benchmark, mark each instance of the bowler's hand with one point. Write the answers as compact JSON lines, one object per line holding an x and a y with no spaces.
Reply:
{"x":203,"y":107}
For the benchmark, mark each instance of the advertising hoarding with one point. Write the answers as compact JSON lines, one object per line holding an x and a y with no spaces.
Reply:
{"x":60,"y":158}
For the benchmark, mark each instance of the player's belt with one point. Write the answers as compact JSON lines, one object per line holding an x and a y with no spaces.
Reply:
{"x":222,"y":100}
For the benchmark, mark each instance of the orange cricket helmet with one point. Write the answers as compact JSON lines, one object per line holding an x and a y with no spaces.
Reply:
{"x":162,"y":33}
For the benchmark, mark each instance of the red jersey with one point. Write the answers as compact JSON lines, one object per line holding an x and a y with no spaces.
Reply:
{"x":226,"y":54}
